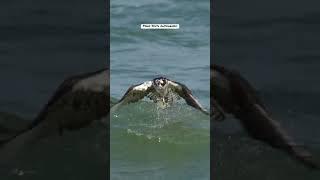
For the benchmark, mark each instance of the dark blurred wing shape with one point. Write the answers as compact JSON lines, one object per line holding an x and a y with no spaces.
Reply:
{"x":77,"y":102}
{"x":242,"y":100}
{"x":261,"y":126}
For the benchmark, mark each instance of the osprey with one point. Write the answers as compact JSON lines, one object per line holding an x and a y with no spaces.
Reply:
{"x":160,"y":90}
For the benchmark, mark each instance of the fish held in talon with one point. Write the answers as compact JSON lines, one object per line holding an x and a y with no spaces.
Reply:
{"x":161,"y":91}
{"x":234,"y":95}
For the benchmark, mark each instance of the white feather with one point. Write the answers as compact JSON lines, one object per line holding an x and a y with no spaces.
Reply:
{"x":144,"y":86}
{"x":94,"y":83}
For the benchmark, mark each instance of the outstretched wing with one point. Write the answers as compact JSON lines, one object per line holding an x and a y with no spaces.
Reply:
{"x":186,"y":94}
{"x":134,"y":94}
{"x":261,"y":126}
{"x":78,"y":101}
{"x":241,"y":100}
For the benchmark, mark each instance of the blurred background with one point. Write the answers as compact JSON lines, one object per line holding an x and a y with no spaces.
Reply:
{"x":41,"y":44}
{"x":275,"y":45}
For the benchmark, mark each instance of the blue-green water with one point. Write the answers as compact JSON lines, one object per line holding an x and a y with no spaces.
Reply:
{"x":147,"y":143}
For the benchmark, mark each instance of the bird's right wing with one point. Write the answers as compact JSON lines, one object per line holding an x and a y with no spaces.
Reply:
{"x":257,"y":121}
{"x":134,"y":94}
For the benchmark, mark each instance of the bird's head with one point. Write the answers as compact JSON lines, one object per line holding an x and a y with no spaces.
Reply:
{"x":160,"y":82}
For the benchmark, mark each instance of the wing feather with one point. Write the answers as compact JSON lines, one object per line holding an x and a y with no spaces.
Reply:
{"x":242,"y":100}
{"x":261,"y":126}
{"x":77,"y":102}
{"x":184,"y":92}
{"x":134,"y":94}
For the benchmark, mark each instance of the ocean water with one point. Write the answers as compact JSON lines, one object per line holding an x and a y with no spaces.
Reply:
{"x":145,"y":141}
{"x":41,"y":44}
{"x":275,"y":45}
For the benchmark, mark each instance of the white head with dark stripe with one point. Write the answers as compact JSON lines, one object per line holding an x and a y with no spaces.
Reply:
{"x":160,"y":84}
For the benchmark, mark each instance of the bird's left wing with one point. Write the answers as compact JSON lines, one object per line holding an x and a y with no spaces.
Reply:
{"x":183,"y":91}
{"x":134,"y":94}
{"x":77,"y":102}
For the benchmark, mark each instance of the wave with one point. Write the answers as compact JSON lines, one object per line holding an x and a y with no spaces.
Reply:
{"x":145,"y":122}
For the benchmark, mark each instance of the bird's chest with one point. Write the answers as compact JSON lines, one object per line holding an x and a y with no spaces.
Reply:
{"x":161,"y":91}
{"x":166,"y":96}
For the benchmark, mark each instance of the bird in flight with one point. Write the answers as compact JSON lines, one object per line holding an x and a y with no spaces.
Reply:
{"x":160,"y":90}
